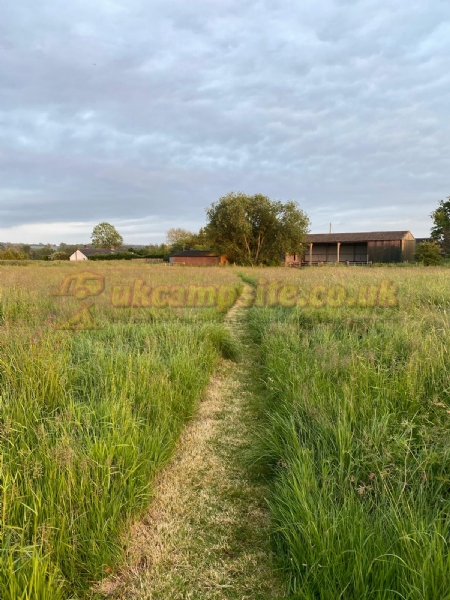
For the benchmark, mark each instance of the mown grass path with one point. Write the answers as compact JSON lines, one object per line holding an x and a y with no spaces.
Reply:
{"x":206,"y":534}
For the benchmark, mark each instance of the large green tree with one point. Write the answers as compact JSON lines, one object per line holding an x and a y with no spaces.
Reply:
{"x":253,"y":230}
{"x":105,"y":235}
{"x":440,"y":232}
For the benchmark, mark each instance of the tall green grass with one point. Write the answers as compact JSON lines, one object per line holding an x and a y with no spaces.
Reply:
{"x":356,"y":423}
{"x":86,"y":420}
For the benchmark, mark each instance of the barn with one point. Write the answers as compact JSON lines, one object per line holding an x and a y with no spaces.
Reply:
{"x":357,"y":248}
{"x":199,"y":258}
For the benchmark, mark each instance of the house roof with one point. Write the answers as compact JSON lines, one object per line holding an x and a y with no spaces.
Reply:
{"x":90,"y":251}
{"x":198,"y":253}
{"x":364,"y":236}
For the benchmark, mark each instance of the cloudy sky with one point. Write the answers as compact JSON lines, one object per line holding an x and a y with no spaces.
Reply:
{"x":142,"y":113}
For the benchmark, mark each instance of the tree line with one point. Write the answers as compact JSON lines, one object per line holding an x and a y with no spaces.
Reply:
{"x":249,"y":229}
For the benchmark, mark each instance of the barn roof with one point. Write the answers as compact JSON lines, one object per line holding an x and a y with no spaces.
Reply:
{"x":198,"y":253}
{"x":364,"y":236}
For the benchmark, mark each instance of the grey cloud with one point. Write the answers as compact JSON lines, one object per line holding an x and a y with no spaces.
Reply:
{"x":126,"y":110}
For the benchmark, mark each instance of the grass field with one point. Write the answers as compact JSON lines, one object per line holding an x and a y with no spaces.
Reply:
{"x":355,"y":430}
{"x":353,"y":421}
{"x":87,"y":419}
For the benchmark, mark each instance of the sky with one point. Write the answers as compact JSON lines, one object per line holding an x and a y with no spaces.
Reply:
{"x":144,"y":113}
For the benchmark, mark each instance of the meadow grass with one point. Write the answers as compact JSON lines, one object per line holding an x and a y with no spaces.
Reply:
{"x":353,"y":426}
{"x":355,"y":437}
{"x":87,"y":418}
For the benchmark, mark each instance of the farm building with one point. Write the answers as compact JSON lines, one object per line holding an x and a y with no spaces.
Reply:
{"x":202,"y":258}
{"x":356,"y":248}
{"x":86,"y":252}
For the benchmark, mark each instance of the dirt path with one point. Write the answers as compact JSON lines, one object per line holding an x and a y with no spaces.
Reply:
{"x":205,"y":534}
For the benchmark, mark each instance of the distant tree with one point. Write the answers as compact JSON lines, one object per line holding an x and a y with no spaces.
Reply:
{"x":177,"y":235}
{"x":156,"y":249}
{"x":67,"y":248}
{"x":186,"y":240}
{"x":254,"y":230}
{"x":428,"y":253}
{"x":105,"y":235}
{"x":41,"y":253}
{"x":26,"y":249}
{"x":440,"y":232}
{"x":12,"y":254}
{"x":59,"y":256}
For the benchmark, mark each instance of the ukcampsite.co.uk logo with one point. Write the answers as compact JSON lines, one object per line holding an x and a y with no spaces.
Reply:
{"x":383,"y":294}
{"x":87,"y":285}
{"x":81,"y":286}
{"x":141,"y":295}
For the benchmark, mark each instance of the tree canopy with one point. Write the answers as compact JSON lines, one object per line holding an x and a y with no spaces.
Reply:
{"x":440,"y":232}
{"x":105,"y":235}
{"x":182,"y":239}
{"x":177,"y":235}
{"x":254,"y":230}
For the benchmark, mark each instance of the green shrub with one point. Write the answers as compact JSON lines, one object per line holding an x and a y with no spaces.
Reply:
{"x":11,"y":254}
{"x":115,"y":256}
{"x":59,"y":256}
{"x":428,"y":253}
